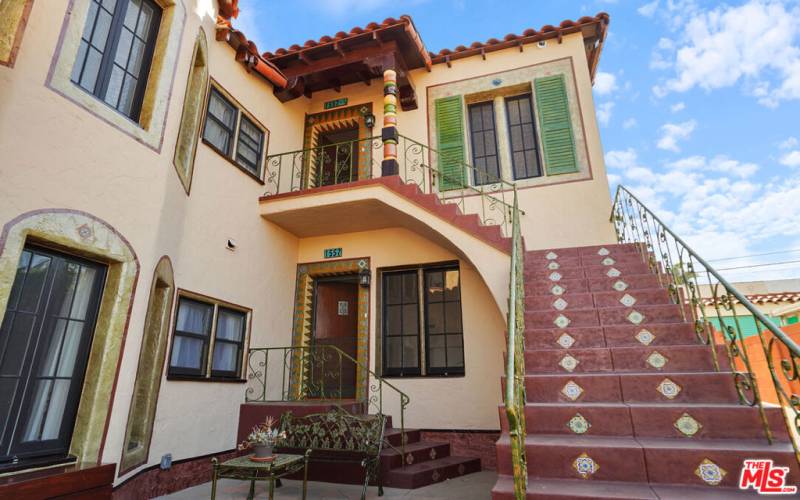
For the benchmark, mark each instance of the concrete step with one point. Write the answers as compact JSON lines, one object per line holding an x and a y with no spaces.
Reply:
{"x":585,"y":300}
{"x":431,"y":471}
{"x":633,"y":388}
{"x":394,"y":436}
{"x":696,"y":358}
{"x":652,"y":420}
{"x":546,"y":286}
{"x":415,"y":453}
{"x":611,"y":336}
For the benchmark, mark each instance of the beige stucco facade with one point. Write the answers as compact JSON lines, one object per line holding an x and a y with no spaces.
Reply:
{"x":72,"y":160}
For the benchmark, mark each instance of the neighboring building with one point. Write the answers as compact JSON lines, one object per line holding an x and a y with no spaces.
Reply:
{"x":778,"y":300}
{"x":192,"y":229}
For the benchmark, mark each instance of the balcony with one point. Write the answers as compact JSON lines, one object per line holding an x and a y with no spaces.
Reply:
{"x":338,"y":188}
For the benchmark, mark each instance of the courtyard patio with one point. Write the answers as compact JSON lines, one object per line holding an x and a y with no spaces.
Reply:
{"x":473,"y":486}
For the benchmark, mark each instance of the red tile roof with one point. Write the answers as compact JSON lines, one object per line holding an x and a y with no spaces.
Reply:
{"x":594,"y":27}
{"x":764,"y":298}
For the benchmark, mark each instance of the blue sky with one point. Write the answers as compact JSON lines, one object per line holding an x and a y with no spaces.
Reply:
{"x":698,"y":103}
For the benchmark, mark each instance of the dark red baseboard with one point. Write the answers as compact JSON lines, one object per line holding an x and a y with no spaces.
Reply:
{"x":468,"y":443}
{"x":152,"y":481}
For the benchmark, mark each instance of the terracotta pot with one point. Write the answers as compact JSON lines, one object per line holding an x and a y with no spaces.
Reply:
{"x":262,"y":451}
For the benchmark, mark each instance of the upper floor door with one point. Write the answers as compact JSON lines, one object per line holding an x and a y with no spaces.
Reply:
{"x":45,"y":339}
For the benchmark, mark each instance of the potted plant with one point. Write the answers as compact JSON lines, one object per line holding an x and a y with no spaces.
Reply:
{"x":262,"y":439}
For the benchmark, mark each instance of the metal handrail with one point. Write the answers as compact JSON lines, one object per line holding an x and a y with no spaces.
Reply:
{"x":680,"y":268}
{"x":515,"y":396}
{"x":359,"y":159}
{"x":418,"y":165}
{"x":300,"y":366}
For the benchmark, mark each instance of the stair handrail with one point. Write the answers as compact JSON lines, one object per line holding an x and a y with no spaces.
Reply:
{"x":515,"y":396}
{"x":417,"y":165}
{"x":299,"y":361}
{"x":678,"y":268}
{"x":359,"y":159}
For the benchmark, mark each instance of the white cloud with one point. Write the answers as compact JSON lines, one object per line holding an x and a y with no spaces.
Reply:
{"x":672,"y":133}
{"x":604,"y":83}
{"x":719,"y":163}
{"x":661,"y":57}
{"x":604,"y":113}
{"x":791,"y":159}
{"x":621,"y":158}
{"x":629,"y":123}
{"x":789,"y":143}
{"x":678,"y":106}
{"x":648,"y":9}
{"x":751,"y":44}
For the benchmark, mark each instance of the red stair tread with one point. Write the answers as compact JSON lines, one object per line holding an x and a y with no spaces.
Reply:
{"x":412,"y":447}
{"x":634,"y":439}
{"x":431,"y":471}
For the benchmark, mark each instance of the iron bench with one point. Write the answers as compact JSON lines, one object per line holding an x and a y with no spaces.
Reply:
{"x":337,"y":436}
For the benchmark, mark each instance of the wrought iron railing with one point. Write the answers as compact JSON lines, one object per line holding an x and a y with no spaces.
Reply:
{"x":710,"y":302}
{"x":515,"y":366}
{"x":319,"y":373}
{"x":473,"y":190}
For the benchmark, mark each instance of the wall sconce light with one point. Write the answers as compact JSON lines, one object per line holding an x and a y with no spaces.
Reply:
{"x":364,"y":277}
{"x":369,"y":118}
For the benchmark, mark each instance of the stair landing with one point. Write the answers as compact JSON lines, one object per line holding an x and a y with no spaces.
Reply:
{"x":623,"y":401}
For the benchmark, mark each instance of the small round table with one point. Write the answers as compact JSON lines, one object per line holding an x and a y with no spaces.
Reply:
{"x":247,"y":470}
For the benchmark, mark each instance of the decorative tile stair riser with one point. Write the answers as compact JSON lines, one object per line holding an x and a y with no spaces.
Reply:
{"x":617,"y":383}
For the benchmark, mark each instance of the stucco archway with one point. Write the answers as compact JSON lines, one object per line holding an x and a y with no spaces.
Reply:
{"x":82,"y":234}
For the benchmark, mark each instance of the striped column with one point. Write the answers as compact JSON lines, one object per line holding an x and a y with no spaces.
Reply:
{"x":389,"y":135}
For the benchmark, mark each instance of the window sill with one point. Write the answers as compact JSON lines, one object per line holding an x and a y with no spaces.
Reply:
{"x":233,"y":162}
{"x":36,"y":463}
{"x":192,"y":378}
{"x":433,"y":375}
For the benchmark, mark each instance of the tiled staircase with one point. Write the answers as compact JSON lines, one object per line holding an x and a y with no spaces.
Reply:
{"x":622,"y":399}
{"x":427,"y":462}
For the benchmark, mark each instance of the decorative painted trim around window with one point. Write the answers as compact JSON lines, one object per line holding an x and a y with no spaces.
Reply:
{"x":149,"y":129}
{"x":208,"y":333}
{"x":142,"y":412}
{"x":497,"y":86}
{"x":241,"y":132}
{"x":13,"y":19}
{"x":192,"y":114}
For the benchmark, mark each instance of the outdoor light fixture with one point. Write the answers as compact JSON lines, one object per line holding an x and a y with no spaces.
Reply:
{"x":364,"y":277}
{"x":369,"y":118}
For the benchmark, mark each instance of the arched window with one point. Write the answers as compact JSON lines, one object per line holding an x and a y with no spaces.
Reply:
{"x":142,"y":412}
{"x":192,"y":112}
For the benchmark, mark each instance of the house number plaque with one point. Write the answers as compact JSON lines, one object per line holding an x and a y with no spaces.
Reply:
{"x":332,"y":253}
{"x":335,"y":103}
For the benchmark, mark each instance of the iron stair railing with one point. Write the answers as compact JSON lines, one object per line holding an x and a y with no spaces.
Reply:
{"x":473,"y":190}
{"x":318,"y":373}
{"x":515,"y":365}
{"x":696,"y":286}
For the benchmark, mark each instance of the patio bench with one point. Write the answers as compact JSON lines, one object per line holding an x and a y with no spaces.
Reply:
{"x":337,"y":436}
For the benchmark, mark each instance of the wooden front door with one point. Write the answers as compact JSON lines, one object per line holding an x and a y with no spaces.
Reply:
{"x":45,"y":339}
{"x":338,"y":157}
{"x":335,"y":324}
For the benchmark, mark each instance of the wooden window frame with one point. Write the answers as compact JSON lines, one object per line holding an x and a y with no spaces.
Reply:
{"x":471,"y":130}
{"x":423,"y":371}
{"x":536,"y":149}
{"x":403,"y":371}
{"x":241,"y":113}
{"x":108,"y":56}
{"x":206,"y":373}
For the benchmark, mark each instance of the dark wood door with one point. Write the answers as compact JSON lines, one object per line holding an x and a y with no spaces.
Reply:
{"x":44,"y":348}
{"x":338,"y":157}
{"x":336,"y":324}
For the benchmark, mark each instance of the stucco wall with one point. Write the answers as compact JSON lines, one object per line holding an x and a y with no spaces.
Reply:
{"x":57,"y":153}
{"x":468,"y":402}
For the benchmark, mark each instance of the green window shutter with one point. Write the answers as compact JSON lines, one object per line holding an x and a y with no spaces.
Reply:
{"x":450,"y":132}
{"x":555,"y":125}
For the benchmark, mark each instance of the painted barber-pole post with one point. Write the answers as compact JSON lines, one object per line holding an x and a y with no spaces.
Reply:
{"x":389,"y":135}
